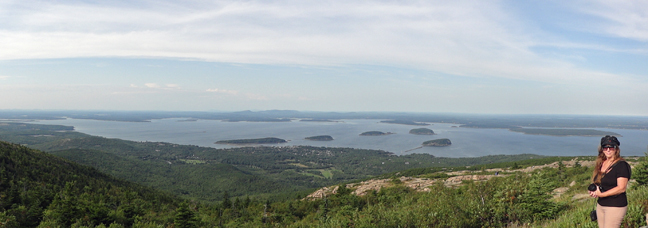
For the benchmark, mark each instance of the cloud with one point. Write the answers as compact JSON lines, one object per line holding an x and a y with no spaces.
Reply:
{"x":248,"y":96}
{"x":151,"y":85}
{"x":627,"y":19}
{"x":4,"y":77}
{"x":467,"y":38}
{"x":223,"y":91}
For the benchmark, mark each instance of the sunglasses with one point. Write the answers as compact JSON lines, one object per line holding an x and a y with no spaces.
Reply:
{"x":608,"y":147}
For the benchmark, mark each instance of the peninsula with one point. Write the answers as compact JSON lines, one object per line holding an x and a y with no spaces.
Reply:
{"x":268,"y":140}
{"x":437,"y":142}
{"x":563,"y":132}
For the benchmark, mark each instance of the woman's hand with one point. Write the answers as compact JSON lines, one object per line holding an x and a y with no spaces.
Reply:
{"x":596,"y":193}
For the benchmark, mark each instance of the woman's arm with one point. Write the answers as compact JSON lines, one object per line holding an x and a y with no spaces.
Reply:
{"x":622,"y":184}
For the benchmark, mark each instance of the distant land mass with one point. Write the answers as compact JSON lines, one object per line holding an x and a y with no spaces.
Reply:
{"x":317,"y":120}
{"x":320,"y":138}
{"x":464,"y":120}
{"x":405,"y":122}
{"x":375,"y":133}
{"x":438,"y":142}
{"x":421,"y":131}
{"x":268,"y":140}
{"x":257,"y":120}
{"x":563,"y":132}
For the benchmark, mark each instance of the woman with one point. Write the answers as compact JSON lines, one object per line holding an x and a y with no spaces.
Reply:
{"x":611,"y":175}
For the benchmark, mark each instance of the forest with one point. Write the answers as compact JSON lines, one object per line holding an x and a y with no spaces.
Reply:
{"x":41,"y":190}
{"x":52,"y":176}
{"x":204,"y":174}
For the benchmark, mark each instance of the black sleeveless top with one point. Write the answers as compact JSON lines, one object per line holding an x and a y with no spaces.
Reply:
{"x":609,"y":181}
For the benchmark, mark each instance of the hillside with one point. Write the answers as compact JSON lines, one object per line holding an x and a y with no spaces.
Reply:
{"x":205,"y":174}
{"x":548,"y":195}
{"x":39,"y":188}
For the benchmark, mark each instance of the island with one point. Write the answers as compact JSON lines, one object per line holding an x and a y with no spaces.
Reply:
{"x":437,"y":142}
{"x":405,"y":122}
{"x":320,"y":138}
{"x":563,"y":132}
{"x":375,"y":133}
{"x":268,"y":140}
{"x":421,"y":131}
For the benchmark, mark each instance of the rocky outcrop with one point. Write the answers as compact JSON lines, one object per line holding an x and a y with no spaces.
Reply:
{"x":423,"y":184}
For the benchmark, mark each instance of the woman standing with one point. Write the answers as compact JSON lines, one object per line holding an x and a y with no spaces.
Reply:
{"x":611,"y":175}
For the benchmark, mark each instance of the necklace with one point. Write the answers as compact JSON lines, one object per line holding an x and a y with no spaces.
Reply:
{"x":607,"y":164}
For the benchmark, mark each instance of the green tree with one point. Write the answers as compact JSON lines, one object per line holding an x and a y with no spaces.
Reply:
{"x":184,"y":217}
{"x":640,"y":172}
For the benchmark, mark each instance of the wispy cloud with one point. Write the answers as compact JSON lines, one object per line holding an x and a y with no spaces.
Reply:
{"x":466,"y":38}
{"x":472,"y":38}
{"x":151,"y":85}
{"x":248,"y":96}
{"x":3,"y":77}
{"x":627,"y":19}
{"x":223,"y":91}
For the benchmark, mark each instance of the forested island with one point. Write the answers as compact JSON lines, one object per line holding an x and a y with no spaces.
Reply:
{"x":563,"y":132}
{"x":405,"y":122}
{"x":320,"y":138}
{"x":422,"y":131}
{"x":438,"y":142}
{"x":268,"y":140}
{"x":375,"y":133}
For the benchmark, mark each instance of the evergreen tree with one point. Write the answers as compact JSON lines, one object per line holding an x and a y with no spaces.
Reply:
{"x":184,"y":217}
{"x":640,"y":172}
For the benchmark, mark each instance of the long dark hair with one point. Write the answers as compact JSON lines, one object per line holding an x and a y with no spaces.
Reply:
{"x":598,"y":174}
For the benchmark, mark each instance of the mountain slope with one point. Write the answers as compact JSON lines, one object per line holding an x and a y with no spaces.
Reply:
{"x":38,"y":187}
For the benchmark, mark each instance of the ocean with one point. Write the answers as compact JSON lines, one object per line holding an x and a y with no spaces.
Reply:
{"x":466,"y":142}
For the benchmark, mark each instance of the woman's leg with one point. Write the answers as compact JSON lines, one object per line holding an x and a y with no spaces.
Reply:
{"x":610,"y":217}
{"x":600,"y":216}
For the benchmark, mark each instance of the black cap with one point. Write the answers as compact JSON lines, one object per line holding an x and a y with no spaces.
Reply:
{"x":610,"y":140}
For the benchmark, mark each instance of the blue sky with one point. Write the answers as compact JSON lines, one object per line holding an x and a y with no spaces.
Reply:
{"x":514,"y":57}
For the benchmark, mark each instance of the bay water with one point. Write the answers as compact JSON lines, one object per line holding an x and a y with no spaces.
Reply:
{"x":466,"y":142}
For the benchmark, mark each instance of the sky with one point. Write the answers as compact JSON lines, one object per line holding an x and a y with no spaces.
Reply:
{"x":492,"y":57}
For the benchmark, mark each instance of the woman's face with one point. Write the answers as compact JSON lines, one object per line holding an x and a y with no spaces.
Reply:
{"x":609,"y":152}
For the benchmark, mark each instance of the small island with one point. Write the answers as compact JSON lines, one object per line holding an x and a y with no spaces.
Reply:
{"x":437,"y":142}
{"x":405,"y":122}
{"x":269,"y":140}
{"x":375,"y":133}
{"x":320,"y":138}
{"x":422,"y":131}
